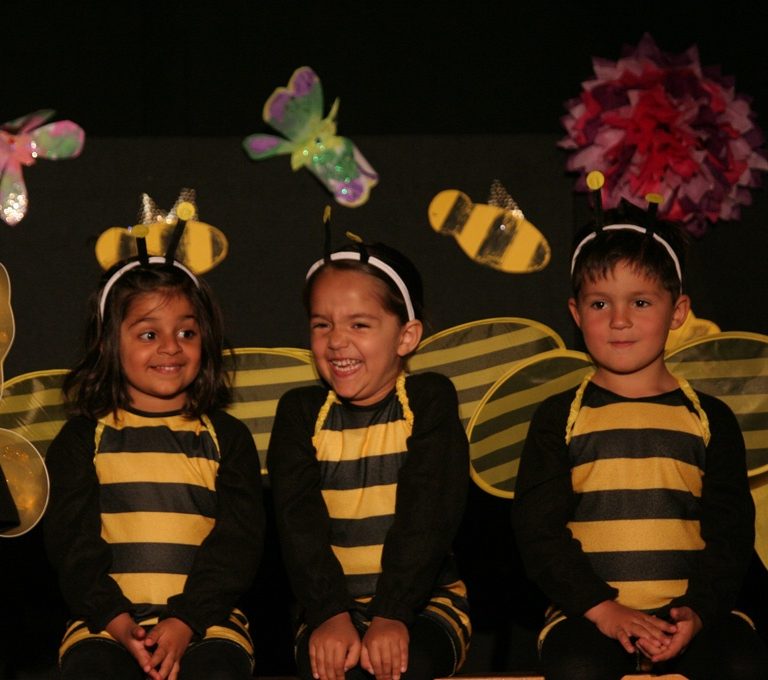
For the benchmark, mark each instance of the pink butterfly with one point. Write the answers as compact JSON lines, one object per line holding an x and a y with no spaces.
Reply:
{"x":22,"y":142}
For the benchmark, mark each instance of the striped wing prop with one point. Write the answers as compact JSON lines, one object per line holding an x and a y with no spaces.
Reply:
{"x":500,"y":424}
{"x":734,"y":368}
{"x":474,"y":355}
{"x":261,"y":377}
{"x":33,"y":407}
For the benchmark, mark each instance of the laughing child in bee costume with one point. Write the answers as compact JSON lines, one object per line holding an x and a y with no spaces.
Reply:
{"x":632,"y":508}
{"x":369,"y":475}
{"x":155,"y":524}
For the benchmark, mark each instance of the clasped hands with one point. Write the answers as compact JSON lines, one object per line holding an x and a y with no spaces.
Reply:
{"x":159,"y":651}
{"x":335,"y":646}
{"x":654,"y":637}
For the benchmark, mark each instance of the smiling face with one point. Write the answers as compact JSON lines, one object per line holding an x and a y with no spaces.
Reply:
{"x":625,"y":318}
{"x":160,"y":351}
{"x":359,"y":345}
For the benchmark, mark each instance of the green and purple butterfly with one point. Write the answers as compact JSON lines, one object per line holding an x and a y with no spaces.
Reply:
{"x":297,"y":112}
{"x":22,"y":142}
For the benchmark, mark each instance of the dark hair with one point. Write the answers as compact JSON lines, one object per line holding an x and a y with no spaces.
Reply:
{"x":96,"y":384}
{"x":640,"y":251}
{"x":393,"y":299}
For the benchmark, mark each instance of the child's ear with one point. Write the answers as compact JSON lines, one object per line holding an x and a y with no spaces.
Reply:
{"x":410,"y":337}
{"x":680,"y":312}
{"x":574,"y":309}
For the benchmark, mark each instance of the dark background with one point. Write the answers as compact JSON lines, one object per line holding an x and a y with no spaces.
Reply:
{"x":436,"y":96}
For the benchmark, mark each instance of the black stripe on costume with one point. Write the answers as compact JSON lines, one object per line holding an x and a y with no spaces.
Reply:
{"x":636,"y":504}
{"x":157,"y":497}
{"x":360,"y":417}
{"x":372,"y":470}
{"x":161,"y":558}
{"x":644,"y":565}
{"x":632,"y":443}
{"x":449,"y":614}
{"x":361,"y":585}
{"x":352,"y":533}
{"x":157,"y":440}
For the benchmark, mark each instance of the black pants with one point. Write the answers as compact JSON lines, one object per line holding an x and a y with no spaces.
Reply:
{"x":728,"y":649}
{"x":99,"y":659}
{"x":430,"y":654}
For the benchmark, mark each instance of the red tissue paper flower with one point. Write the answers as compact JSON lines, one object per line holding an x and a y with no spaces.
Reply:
{"x":656,"y":122}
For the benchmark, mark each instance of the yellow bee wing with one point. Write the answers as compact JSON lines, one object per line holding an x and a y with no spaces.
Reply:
{"x":31,"y":415}
{"x":261,"y":377}
{"x":691,"y":329}
{"x":759,"y":487}
{"x":474,"y":355}
{"x":733,"y":367}
{"x":488,"y":234}
{"x":499,"y":425}
{"x":7,"y":327}
{"x":202,"y":246}
{"x":27,"y":479}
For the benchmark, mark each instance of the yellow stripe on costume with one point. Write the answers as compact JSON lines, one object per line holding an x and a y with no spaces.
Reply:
{"x":636,"y":416}
{"x":628,"y":534}
{"x":176,"y":424}
{"x":372,"y":501}
{"x":637,"y":473}
{"x":376,"y":440}
{"x":155,"y":527}
{"x":170,"y":468}
{"x":153,"y":588}
{"x":363,"y":559}
{"x":649,"y":595}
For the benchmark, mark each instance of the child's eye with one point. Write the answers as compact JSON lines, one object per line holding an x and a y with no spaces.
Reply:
{"x":598,"y":304}
{"x":148,"y":335}
{"x":642,"y":303}
{"x":359,"y":325}
{"x":187,"y":334}
{"x":318,"y":325}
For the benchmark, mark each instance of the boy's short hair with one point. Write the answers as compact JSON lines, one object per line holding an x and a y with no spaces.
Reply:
{"x":641,"y":251}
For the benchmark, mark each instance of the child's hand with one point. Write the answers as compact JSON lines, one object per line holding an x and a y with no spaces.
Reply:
{"x":170,"y":638}
{"x":622,"y":623}
{"x":131,"y":635}
{"x":385,"y":649}
{"x":334,"y":647}
{"x":688,"y":624}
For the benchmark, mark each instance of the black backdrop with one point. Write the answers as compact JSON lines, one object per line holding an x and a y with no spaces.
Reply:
{"x":436,"y":97}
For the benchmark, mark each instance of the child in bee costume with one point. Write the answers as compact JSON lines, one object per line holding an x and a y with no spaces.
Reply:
{"x":632,"y":508}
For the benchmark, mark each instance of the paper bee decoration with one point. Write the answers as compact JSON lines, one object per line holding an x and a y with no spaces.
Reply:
{"x":22,"y":142}
{"x":202,"y":246}
{"x":494,"y":234}
{"x":296,"y":111}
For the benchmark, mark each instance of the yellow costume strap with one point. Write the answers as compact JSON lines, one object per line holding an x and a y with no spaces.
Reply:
{"x":332,"y":399}
{"x":703,"y":420}
{"x":403,"y":398}
{"x":685,"y":387}
{"x":323,"y":413}
{"x":576,"y":407}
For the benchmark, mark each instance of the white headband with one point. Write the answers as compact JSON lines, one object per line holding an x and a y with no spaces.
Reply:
{"x":629,"y":227}
{"x":155,"y":259}
{"x":374,"y":262}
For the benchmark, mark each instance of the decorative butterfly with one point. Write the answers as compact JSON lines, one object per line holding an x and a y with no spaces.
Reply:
{"x":495,"y":234}
{"x":296,"y":111}
{"x":22,"y":142}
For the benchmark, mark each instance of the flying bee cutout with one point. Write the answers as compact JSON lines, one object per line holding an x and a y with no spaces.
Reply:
{"x":202,"y":246}
{"x":495,"y":234}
